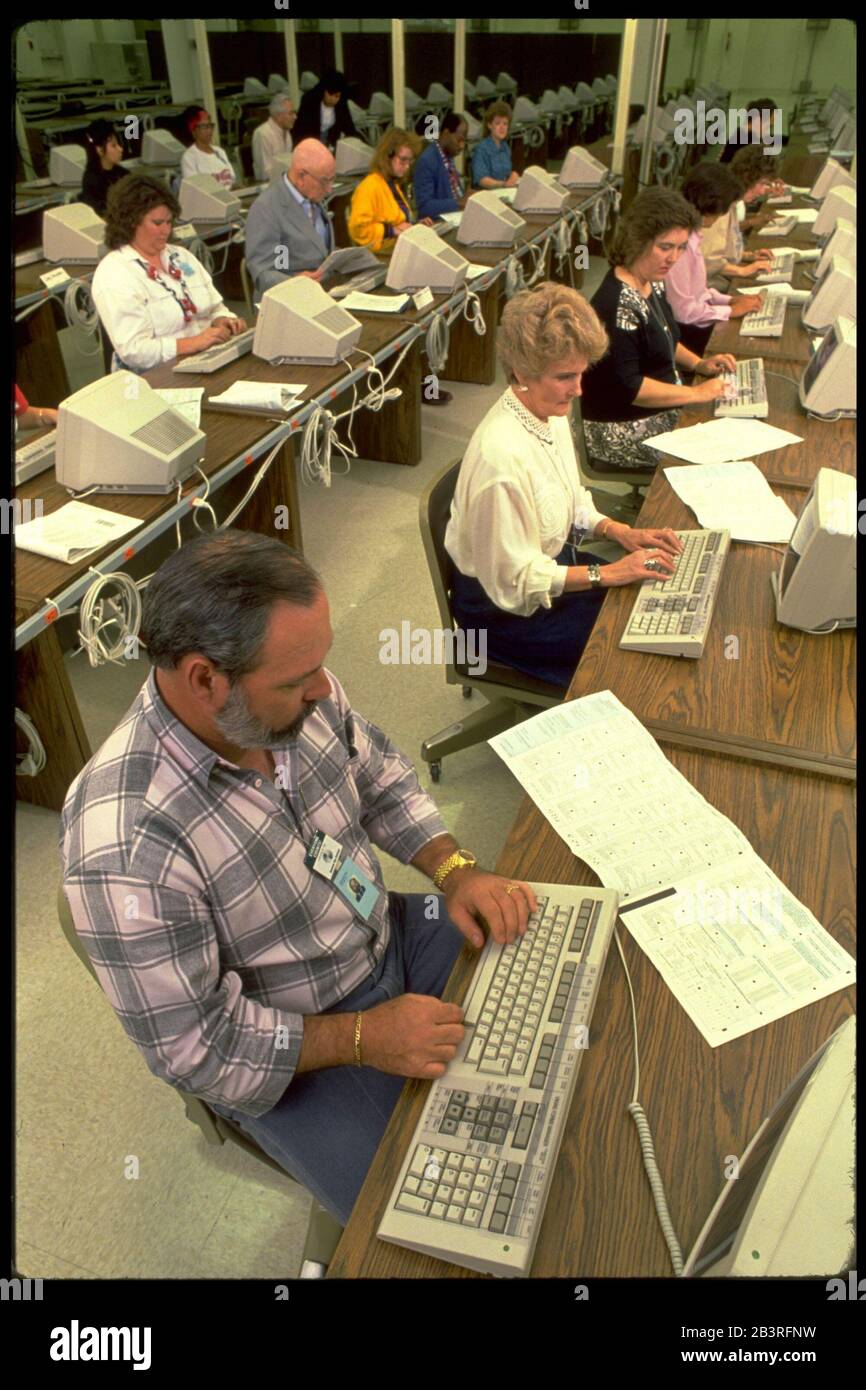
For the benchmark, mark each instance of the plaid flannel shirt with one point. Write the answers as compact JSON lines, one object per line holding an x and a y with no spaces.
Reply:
{"x":186,"y":879}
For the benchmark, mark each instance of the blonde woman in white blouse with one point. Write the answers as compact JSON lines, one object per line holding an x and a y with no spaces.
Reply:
{"x":519,"y":509}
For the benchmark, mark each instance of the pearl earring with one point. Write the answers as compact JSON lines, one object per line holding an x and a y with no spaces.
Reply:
{"x":523,"y":388}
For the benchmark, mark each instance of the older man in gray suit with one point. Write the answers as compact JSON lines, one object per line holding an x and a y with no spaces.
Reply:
{"x":288,"y":232}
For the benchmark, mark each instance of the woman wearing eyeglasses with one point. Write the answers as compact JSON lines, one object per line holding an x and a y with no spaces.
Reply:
{"x":203,"y":157}
{"x":156,"y":301}
{"x":380,"y":210}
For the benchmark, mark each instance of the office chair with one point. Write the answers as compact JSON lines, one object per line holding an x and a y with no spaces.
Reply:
{"x":323,"y":1231}
{"x":508,"y":691}
{"x":624,"y":507}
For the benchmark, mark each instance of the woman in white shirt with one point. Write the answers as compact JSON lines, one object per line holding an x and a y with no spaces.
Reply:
{"x":156,"y":302}
{"x":201,"y":157}
{"x":519,"y":510}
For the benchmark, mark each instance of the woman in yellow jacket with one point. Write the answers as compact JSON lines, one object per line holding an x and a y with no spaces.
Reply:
{"x":380,"y":209}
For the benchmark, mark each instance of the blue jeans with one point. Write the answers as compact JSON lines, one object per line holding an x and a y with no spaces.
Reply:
{"x":326,"y":1128}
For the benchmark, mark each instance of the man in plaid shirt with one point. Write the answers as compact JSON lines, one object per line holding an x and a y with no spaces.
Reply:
{"x":244,"y":975}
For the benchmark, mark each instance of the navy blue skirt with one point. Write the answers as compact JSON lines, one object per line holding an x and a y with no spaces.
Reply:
{"x":549,"y":643}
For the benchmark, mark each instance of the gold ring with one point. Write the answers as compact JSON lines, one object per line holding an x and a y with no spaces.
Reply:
{"x":511,"y":887}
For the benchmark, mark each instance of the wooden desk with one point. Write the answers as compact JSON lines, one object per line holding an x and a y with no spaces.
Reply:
{"x":781,"y":695}
{"x":793,"y":345}
{"x":828,"y":444}
{"x":703,"y":1103}
{"x":232,"y":441}
{"x":42,"y":685}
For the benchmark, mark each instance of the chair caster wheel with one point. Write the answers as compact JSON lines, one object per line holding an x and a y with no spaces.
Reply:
{"x":467,"y":692}
{"x":435,"y":771}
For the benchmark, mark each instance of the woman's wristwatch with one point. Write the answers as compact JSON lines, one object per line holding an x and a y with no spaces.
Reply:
{"x":594,"y":572}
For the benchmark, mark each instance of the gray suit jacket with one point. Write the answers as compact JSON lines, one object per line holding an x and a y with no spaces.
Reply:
{"x":280,"y":238}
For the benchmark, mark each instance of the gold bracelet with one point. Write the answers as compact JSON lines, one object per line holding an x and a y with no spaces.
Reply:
{"x":358,"y":1061}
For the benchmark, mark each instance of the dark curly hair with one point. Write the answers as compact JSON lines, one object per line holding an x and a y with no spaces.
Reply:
{"x":751,"y":164}
{"x":711,"y":188}
{"x":654,"y":211}
{"x":129,"y":201}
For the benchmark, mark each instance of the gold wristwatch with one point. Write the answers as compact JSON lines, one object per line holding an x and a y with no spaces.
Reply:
{"x":461,"y":859}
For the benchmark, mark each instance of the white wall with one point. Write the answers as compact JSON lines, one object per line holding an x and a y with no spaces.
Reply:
{"x":764,"y":57}
{"x":61,"y":48}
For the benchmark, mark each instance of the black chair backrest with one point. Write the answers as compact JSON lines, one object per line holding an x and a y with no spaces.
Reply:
{"x":438,"y":513}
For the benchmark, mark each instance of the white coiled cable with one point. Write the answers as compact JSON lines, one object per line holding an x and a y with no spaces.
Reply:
{"x":562,"y":243}
{"x":319,"y":439}
{"x":598,"y":217}
{"x":514,"y":277}
{"x":636,"y":1110}
{"x":665,"y":165}
{"x":97,"y":614}
{"x":436,"y":342}
{"x":31,"y":763}
{"x":202,"y":253}
{"x":80,"y":311}
{"x":539,"y":256}
{"x":262,"y":470}
{"x":533,"y":136}
{"x":473,"y":314}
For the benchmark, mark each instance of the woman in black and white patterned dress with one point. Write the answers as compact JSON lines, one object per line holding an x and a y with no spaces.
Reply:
{"x":636,"y":392}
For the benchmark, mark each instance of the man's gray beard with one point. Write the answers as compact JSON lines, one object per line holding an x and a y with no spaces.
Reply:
{"x":240,"y":726}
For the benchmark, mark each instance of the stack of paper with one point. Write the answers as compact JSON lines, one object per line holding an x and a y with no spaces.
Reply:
{"x":733,"y":497}
{"x":731,"y":942}
{"x":717,"y":441}
{"x":260,"y":396}
{"x":73,"y":532}
{"x":357,"y":302}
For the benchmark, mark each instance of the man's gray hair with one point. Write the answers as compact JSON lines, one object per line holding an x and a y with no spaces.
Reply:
{"x":214,"y":596}
{"x":276,"y":102}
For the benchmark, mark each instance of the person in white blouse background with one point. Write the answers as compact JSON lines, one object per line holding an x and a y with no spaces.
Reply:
{"x":156,"y":302}
{"x":519,"y":510}
{"x":273,"y":138}
{"x":203,"y":157}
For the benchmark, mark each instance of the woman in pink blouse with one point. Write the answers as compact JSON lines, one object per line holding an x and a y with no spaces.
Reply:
{"x":712,"y":190}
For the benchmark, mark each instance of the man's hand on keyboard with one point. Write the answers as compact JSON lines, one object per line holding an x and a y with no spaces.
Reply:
{"x":473,"y":894}
{"x":412,"y":1035}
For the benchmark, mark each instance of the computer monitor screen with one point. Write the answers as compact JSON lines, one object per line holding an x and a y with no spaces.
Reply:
{"x":820,"y":358}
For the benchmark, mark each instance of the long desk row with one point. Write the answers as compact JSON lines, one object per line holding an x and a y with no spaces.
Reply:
{"x":764,"y":728}
{"x":45,"y":589}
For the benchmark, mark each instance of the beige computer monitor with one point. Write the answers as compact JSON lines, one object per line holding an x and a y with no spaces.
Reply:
{"x":74,"y":234}
{"x":118,"y":435}
{"x":828,"y":385}
{"x":815,"y":588}
{"x":539,"y":191}
{"x":299,"y":322}
{"x":202,"y":198}
{"x":422,"y":259}
{"x":488,"y":221}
